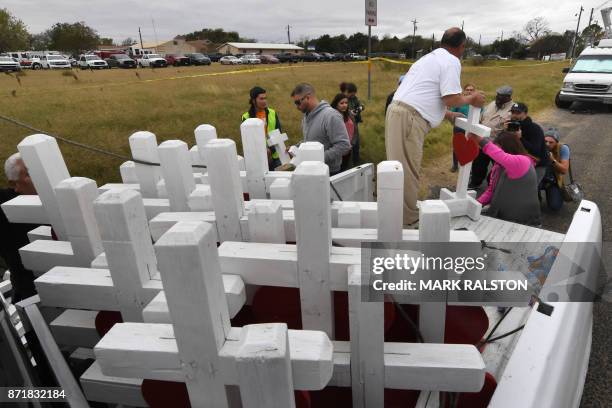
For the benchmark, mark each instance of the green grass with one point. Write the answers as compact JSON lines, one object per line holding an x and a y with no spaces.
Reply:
{"x":102,"y":108}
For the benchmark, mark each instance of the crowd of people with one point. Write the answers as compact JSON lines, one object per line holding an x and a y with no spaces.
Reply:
{"x":335,"y":125}
{"x":513,"y":165}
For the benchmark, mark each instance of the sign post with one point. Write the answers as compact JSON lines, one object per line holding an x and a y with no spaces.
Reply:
{"x":370,"y":20}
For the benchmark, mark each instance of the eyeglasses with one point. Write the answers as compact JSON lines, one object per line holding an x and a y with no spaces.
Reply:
{"x":299,"y":101}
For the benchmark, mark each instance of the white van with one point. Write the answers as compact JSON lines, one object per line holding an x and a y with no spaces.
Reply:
{"x":590,"y":77}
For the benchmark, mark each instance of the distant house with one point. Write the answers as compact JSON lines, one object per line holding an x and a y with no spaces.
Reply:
{"x":258,"y":48}
{"x":175,"y":46}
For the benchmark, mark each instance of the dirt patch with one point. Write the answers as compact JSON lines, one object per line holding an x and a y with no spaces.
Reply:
{"x":435,"y":176}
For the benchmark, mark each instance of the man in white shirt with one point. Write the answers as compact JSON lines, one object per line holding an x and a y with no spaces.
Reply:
{"x":431,"y":85}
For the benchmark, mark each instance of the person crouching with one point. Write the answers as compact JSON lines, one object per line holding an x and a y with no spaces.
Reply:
{"x":512,"y":191}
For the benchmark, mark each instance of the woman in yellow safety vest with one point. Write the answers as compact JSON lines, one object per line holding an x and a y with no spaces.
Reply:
{"x":259,"y":109}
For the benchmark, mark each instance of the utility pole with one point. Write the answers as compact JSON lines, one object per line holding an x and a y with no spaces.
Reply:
{"x":433,"y":42}
{"x":479,"y":38}
{"x":576,"y":35}
{"x":502,"y":37}
{"x":462,"y":21}
{"x":140,"y":35}
{"x":591,"y":18}
{"x":414,"y":23}
{"x":288,"y":34}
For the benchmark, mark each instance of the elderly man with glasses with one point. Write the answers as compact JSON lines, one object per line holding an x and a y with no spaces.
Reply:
{"x":323,"y":124}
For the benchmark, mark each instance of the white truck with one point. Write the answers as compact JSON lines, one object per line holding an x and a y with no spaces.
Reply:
{"x":152,"y":60}
{"x":589,"y":79}
{"x":92,"y":61}
{"x":54,"y":61}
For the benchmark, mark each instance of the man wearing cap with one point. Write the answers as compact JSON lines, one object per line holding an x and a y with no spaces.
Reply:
{"x":494,"y":115}
{"x":532,"y":137}
{"x":431,"y":85}
{"x":259,"y":109}
{"x":559,"y":159}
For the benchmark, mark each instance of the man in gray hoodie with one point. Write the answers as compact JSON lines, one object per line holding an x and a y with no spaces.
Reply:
{"x":323,"y":124}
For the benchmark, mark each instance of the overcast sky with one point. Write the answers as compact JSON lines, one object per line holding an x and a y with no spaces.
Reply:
{"x":265,"y":20}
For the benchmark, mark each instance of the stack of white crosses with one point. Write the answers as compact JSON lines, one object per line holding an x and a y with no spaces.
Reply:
{"x":177,"y":295}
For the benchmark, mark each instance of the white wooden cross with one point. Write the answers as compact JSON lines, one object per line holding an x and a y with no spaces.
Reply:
{"x":266,"y":361}
{"x":307,"y":213}
{"x":277,"y":140}
{"x":461,"y":202}
{"x":396,"y":365}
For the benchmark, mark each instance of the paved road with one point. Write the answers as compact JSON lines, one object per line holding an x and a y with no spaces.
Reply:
{"x":588,"y":131}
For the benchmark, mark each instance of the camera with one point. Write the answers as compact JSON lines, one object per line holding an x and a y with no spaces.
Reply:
{"x":357,"y":110}
{"x":514,"y":126}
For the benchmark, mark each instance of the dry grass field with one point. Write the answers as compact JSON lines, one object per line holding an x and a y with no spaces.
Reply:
{"x":102,"y":108}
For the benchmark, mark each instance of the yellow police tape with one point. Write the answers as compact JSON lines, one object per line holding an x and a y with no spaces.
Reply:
{"x":267,"y":69}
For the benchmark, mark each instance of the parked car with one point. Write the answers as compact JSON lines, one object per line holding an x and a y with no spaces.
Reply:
{"x":287,"y":57}
{"x":73,"y":61}
{"x":495,"y":57}
{"x":9,"y":64}
{"x":26,"y":60}
{"x":339,"y":56}
{"x":353,"y":56}
{"x":230,"y":60}
{"x":152,"y":61}
{"x":326,"y":56}
{"x":120,"y":61}
{"x":311,"y":57}
{"x":198,"y":59}
{"x":250,"y":59}
{"x":177,"y":60}
{"x":92,"y":61}
{"x":53,"y":61}
{"x":268,"y":59}
{"x":216,"y":56}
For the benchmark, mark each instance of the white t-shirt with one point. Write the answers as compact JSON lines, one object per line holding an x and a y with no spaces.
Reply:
{"x":435,"y":75}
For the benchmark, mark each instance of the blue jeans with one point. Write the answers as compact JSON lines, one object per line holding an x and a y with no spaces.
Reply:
{"x":554,"y":197}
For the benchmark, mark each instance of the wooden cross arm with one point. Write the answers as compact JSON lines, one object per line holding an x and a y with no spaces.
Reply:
{"x":25,"y":209}
{"x":277,"y":264}
{"x":478,"y":129}
{"x":143,"y":350}
{"x":157,"y":309}
{"x":420,"y":366}
{"x":85,"y":288}
{"x":40,"y":256}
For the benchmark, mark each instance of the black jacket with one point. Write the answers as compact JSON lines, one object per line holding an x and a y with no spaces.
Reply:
{"x":533,"y":140}
{"x":13,"y":237}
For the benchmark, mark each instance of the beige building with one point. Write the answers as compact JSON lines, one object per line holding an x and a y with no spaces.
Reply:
{"x":258,"y":48}
{"x":176,"y":46}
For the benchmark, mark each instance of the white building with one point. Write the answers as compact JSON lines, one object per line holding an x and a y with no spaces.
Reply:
{"x":258,"y":48}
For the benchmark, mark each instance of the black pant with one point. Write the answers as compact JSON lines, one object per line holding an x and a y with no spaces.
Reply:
{"x":480,"y":167}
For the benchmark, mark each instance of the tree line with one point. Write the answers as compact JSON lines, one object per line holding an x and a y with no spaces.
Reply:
{"x":535,"y":40}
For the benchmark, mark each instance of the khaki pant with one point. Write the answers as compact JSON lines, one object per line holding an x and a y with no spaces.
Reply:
{"x":405,"y":131}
